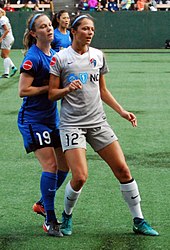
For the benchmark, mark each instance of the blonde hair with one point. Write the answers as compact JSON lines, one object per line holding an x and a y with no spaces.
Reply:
{"x":28,"y":39}
{"x":3,"y":12}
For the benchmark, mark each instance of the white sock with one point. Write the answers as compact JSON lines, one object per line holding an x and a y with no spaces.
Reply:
{"x":70,"y":198}
{"x":7,"y":65}
{"x":131,"y":195}
{"x":11,"y":63}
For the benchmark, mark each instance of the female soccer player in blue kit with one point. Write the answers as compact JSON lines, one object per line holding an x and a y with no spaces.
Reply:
{"x":77,"y":76}
{"x":38,"y":117}
{"x":62,"y":39}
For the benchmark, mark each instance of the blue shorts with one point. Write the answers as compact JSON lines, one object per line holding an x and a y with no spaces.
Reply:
{"x":38,"y":136}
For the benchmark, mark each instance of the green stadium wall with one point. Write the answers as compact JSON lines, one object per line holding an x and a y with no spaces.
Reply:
{"x":120,"y":30}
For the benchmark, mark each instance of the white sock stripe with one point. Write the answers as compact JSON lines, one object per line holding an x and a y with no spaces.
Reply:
{"x":129,"y":186}
{"x":69,"y":187}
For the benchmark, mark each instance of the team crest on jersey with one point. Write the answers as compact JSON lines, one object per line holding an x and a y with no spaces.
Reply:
{"x":93,"y":61}
{"x":27,"y":65}
{"x":83,"y":77}
{"x":53,"y":61}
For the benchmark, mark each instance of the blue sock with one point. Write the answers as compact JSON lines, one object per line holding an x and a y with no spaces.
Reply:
{"x":48,"y":189}
{"x":61,"y":176}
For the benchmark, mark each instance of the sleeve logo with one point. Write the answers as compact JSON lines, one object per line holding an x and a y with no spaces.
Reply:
{"x":27,"y":65}
{"x":53,"y":61}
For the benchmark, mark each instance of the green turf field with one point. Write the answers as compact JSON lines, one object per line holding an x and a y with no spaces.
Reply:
{"x":140,"y":81}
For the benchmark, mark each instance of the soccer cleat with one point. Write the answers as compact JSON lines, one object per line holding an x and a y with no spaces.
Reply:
{"x":142,"y":227}
{"x":52,"y":228}
{"x":4,"y":76}
{"x":14,"y":70}
{"x":66,"y":225}
{"x":38,"y":208}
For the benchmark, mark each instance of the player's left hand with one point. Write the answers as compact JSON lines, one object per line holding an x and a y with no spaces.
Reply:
{"x":130,"y":117}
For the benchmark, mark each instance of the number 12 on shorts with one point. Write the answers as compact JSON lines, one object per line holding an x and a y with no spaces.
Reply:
{"x":71,"y":139}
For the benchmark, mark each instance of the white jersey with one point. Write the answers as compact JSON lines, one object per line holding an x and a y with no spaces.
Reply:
{"x":83,"y":107}
{"x":5,"y":21}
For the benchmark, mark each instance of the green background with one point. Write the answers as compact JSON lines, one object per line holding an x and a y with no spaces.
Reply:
{"x":119,"y":30}
{"x":140,"y":81}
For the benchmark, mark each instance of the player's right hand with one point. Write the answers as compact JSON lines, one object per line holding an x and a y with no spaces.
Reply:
{"x":74,"y":85}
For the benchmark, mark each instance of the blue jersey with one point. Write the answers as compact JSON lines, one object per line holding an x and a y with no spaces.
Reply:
{"x":61,"y":40}
{"x":38,"y":109}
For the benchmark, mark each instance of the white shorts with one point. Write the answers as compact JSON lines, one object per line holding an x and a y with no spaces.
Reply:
{"x":98,"y":137}
{"x":7,"y":42}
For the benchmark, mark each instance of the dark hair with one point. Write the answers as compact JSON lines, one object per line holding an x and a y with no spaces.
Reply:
{"x":77,"y":20}
{"x":56,"y":16}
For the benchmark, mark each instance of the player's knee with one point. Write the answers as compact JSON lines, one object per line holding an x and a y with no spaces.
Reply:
{"x":123,"y":173}
{"x":51,"y":166}
{"x":80,"y":180}
{"x":3,"y":55}
{"x":63,"y":168}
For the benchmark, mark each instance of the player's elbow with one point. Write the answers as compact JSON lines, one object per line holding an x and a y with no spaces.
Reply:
{"x":51,"y":96}
{"x":103,"y":93}
{"x":21,"y":93}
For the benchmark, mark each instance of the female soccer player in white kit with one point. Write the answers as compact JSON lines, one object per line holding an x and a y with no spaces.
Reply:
{"x":77,"y":77}
{"x":6,"y":40}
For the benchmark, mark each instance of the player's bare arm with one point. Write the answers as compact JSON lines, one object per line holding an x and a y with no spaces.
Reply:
{"x":107,"y":97}
{"x":56,"y":93}
{"x":26,"y":88}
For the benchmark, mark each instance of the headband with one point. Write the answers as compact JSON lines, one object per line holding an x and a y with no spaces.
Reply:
{"x":33,"y":19}
{"x":78,"y":18}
